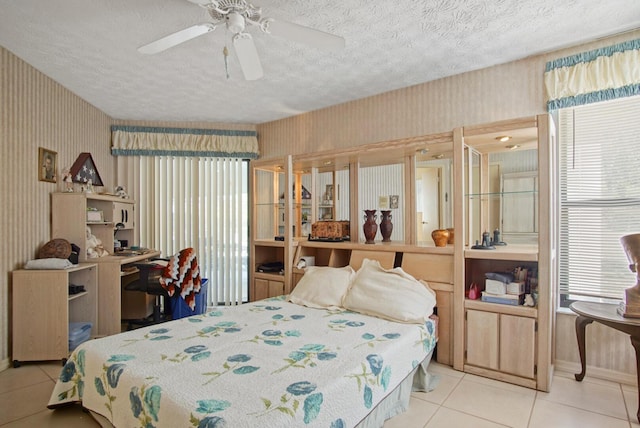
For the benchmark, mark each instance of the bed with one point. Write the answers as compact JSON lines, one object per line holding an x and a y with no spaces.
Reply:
{"x":269,"y":363}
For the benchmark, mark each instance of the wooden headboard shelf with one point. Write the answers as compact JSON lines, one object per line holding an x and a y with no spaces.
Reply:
{"x":430,"y":264}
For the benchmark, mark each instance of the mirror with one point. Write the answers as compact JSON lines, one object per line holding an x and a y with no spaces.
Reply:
{"x":269,"y":209}
{"x":514,"y":176}
{"x":501,"y":175}
{"x":381,"y":187}
{"x":434,"y":192}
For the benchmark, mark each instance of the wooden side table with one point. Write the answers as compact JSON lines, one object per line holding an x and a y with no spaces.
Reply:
{"x":605,"y":313}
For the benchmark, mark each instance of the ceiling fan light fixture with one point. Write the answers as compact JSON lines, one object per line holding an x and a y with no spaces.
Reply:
{"x":235,"y":22}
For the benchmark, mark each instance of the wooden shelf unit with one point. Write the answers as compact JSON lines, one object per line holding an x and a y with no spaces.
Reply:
{"x":456,"y":264}
{"x":42,"y":310}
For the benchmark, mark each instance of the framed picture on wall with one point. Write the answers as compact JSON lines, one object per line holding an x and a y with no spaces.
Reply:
{"x":47,"y":165}
{"x":394,"y":201}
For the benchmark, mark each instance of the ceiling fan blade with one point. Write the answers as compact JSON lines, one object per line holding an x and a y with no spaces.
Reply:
{"x":247,"y":56}
{"x":306,"y":35}
{"x":176,"y":38}
{"x":201,"y":2}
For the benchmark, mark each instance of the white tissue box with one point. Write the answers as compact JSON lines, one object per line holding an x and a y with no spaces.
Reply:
{"x":309,"y":260}
{"x":492,"y":286}
{"x":515,"y":288}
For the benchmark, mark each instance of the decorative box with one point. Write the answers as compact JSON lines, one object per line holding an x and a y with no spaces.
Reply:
{"x":330,"y":230}
{"x":493,"y":286}
{"x":515,"y":288}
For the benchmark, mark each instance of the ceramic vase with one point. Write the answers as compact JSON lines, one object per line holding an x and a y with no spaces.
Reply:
{"x":386,"y":227}
{"x":450,"y":239}
{"x":440,"y":237}
{"x":370,"y":227}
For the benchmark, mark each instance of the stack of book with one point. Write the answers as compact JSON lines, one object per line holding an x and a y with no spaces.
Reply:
{"x":503,"y":299}
{"x":503,"y":288}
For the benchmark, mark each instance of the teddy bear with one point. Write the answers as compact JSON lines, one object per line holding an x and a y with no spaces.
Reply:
{"x":95,"y":248}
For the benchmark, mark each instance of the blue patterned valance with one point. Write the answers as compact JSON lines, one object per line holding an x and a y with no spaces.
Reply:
{"x":151,"y":141}
{"x":598,"y":75}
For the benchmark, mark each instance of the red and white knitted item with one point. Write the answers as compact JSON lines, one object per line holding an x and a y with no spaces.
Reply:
{"x":182,"y":273}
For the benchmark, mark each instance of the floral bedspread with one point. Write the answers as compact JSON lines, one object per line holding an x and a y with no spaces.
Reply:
{"x":269,"y":363}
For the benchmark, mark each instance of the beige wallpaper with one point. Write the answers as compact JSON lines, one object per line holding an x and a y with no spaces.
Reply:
{"x":36,"y":111}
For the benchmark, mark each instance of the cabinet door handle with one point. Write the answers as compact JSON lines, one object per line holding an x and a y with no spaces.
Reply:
{"x":122,"y":216}
{"x":126,"y":216}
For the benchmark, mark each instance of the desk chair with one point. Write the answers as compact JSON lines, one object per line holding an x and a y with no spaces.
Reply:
{"x":177,"y":278}
{"x":149,"y":282}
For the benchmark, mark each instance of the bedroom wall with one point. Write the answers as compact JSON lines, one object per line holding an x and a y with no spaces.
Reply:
{"x":504,"y":91}
{"x":37,"y":112}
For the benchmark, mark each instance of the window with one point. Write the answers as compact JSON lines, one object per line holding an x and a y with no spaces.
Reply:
{"x":599,"y":197}
{"x":200,"y":203}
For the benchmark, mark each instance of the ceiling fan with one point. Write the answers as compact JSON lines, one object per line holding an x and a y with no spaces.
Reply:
{"x":236,"y":14}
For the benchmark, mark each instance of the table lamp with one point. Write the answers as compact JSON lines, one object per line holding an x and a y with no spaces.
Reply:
{"x":630,"y":306}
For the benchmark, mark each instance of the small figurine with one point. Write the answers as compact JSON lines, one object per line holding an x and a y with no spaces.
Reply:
{"x":89,"y":186}
{"x":486,"y":243}
{"x":121,"y":192}
{"x":528,"y":300}
{"x":496,"y":238}
{"x":68,"y":179}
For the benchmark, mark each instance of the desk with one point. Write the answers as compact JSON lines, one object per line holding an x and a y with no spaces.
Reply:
{"x":606,"y":314}
{"x":110,"y":291}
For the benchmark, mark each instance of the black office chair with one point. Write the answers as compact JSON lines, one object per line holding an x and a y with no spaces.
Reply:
{"x":149,"y":282}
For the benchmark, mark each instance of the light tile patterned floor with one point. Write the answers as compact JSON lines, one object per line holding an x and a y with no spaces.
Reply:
{"x":460,"y":400}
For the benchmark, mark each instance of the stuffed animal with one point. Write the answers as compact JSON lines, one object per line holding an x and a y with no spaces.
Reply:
{"x":121,"y":192}
{"x":95,"y":248}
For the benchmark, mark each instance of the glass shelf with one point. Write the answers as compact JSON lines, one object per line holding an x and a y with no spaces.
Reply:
{"x":500,"y":194}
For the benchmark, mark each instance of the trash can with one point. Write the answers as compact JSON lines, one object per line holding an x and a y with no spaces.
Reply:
{"x":180,"y":309}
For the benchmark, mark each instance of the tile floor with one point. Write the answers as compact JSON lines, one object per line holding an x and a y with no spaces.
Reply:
{"x":460,"y":400}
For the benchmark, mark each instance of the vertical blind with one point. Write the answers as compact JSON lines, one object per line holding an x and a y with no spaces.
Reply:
{"x":600,"y":196}
{"x":200,"y":203}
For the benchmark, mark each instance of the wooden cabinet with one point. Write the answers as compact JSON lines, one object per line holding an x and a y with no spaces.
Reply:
{"x":69,"y":219}
{"x":500,"y":342}
{"x":267,"y":288}
{"x":506,"y":173}
{"x":474,"y":179}
{"x":43,"y":308}
{"x":271,"y":228}
{"x":123,"y":212}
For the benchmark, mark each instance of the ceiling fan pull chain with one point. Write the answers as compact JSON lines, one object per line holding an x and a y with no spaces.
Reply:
{"x":225,"y":52}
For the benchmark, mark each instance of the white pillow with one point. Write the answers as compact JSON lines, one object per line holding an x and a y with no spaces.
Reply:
{"x":50,"y":263}
{"x":322,"y":287}
{"x":390,"y":294}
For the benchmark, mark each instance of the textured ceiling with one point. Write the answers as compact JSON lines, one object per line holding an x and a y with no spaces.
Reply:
{"x":89,"y":46}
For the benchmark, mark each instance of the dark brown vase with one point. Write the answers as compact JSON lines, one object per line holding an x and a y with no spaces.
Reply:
{"x":370,"y":227}
{"x":386,"y":227}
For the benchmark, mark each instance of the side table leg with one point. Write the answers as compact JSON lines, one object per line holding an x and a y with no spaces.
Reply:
{"x":581,"y":324}
{"x":635,"y":341}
